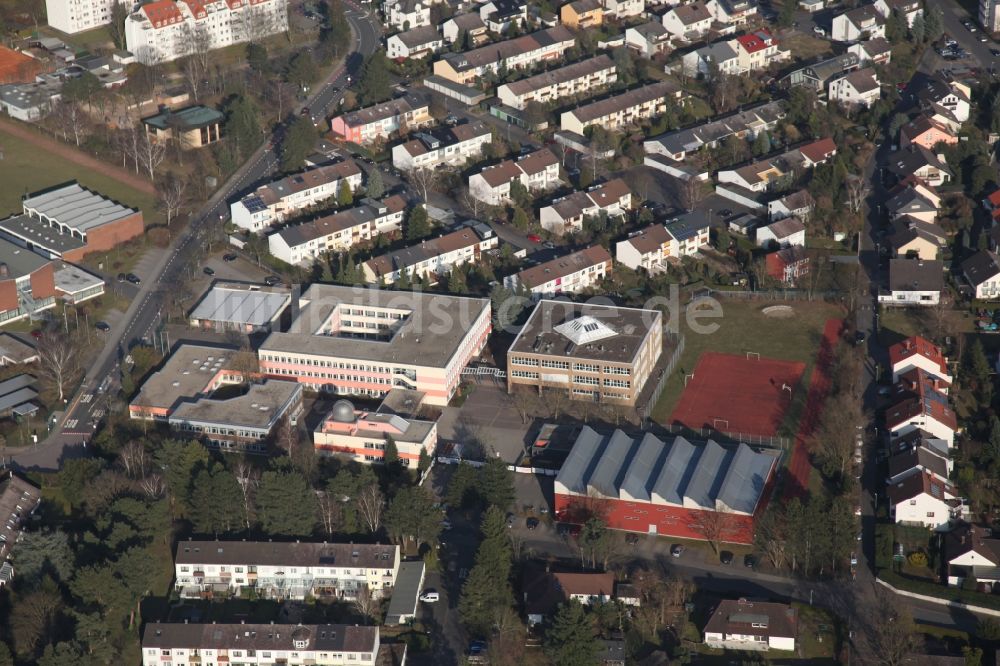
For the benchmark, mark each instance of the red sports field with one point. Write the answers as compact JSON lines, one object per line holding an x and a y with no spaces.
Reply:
{"x":733,"y":393}
{"x":16,"y":67}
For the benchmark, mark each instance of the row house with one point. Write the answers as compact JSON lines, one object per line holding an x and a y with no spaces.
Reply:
{"x":537,"y":171}
{"x":406,"y":14}
{"x":918,"y":352}
{"x":303,"y":244}
{"x":858,"y":24}
{"x":367,"y":342}
{"x":414,"y":43}
{"x":926,"y":410}
{"x":381,"y":120}
{"x":251,"y":644}
{"x":569,"y":274}
{"x":275,"y":570}
{"x":566,"y":214}
{"x":764,"y":174}
{"x":451,"y":146}
{"x":467,"y":68}
{"x":918,"y":455}
{"x":913,"y":198}
{"x":362,"y":436}
{"x":914,"y":238}
{"x":580,"y":78}
{"x":468,"y":26}
{"x":746,"y":124}
{"x":165,"y":30}
{"x":622,"y":110}
{"x":431,"y":258}
{"x":281,"y":200}
{"x":858,"y":89}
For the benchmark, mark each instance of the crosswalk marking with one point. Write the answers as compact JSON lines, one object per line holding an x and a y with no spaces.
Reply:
{"x":87,"y":397}
{"x":72,"y":423}
{"x":98,"y":413}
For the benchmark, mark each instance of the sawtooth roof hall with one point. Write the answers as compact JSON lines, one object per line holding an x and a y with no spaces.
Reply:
{"x":678,"y":474}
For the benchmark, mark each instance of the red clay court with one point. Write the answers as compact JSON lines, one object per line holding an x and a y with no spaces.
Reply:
{"x":745,"y":393}
{"x":16,"y":67}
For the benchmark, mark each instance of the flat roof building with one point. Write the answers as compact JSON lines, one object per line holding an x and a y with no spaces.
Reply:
{"x":190,"y":372}
{"x":365,"y":341}
{"x":27,"y":283}
{"x":362,"y":435}
{"x":597,"y":353}
{"x":246,"y":308}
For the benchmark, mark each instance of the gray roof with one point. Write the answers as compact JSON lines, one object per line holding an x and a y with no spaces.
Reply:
{"x":405,"y":592}
{"x":16,"y":391}
{"x":420,"y":36}
{"x":745,"y":480}
{"x":71,"y":279}
{"x":260,"y":407}
{"x":277,"y":637}
{"x":980,"y":267}
{"x":916,"y":275}
{"x":270,"y":553}
{"x":19,"y":261}
{"x":647,"y":469}
{"x":15,"y":349}
{"x":241,"y":305}
{"x":693,"y":138}
{"x":33,"y":230}
{"x":76,"y":207}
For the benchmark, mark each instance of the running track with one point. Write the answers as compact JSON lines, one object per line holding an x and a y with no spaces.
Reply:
{"x":819,"y":386}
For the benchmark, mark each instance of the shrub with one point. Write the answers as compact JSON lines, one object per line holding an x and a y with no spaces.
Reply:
{"x":918,"y":559}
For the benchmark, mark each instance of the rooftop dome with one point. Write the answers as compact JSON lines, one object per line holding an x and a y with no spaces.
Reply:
{"x":343,"y":411}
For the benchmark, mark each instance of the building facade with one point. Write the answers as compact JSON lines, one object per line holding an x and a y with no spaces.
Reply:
{"x":363,"y":436}
{"x":580,"y":78}
{"x":569,"y":274}
{"x":628,"y":108}
{"x":73,"y":16}
{"x":381,"y":120}
{"x":433,"y":258}
{"x":451,"y":146}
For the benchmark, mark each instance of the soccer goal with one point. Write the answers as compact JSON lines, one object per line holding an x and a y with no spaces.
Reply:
{"x":724,"y":423}
{"x":753,"y":355}
{"x":687,"y":378}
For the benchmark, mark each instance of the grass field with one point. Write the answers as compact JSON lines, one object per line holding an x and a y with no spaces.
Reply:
{"x":26,"y":168}
{"x":742,"y":328}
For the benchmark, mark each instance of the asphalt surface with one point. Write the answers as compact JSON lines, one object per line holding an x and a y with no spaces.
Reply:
{"x":84,"y":412}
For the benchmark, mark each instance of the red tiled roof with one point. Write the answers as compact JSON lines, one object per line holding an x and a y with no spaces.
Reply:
{"x":162,"y":11}
{"x":911,"y":408}
{"x":197,"y":8}
{"x":755,"y":41}
{"x":917,"y":346}
{"x":818,"y":151}
{"x":994,"y":199}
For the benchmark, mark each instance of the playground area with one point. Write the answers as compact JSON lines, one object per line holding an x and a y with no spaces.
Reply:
{"x":738,"y":393}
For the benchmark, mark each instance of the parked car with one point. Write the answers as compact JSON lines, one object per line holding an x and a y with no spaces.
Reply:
{"x":102,"y":326}
{"x":121,"y":277}
{"x":676,"y":550}
{"x":726,"y":557}
{"x":819,"y":31}
{"x":208,"y":270}
{"x":133,"y":278}
{"x":749,"y":561}
{"x":430,"y":596}
{"x":272,"y":280}
{"x":532,"y":523}
{"x":631,"y":539}
{"x":534,"y":238}
{"x":229,"y":258}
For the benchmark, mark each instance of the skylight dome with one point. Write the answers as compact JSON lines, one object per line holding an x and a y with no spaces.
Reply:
{"x":585,"y":330}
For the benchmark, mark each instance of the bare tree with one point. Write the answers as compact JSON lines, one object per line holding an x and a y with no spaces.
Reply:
{"x":690,"y":191}
{"x":893,"y":636}
{"x":149,"y":153}
{"x":153,"y":486}
{"x":329,"y":511}
{"x":195,"y":66}
{"x":281,"y":94}
{"x":70,"y":120}
{"x":173,"y":195}
{"x":714,"y":525}
{"x":371,"y":504}
{"x":247,"y":477}
{"x":245,"y":363}
{"x":134,"y":459}
{"x":524,"y":400}
{"x":556,"y":400}
{"x":472,"y":203}
{"x":857,"y":191}
{"x":58,"y":362}
{"x":423,"y":179}
{"x":366,"y":605}
{"x":661,"y":600}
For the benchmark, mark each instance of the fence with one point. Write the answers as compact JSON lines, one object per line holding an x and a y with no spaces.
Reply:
{"x":646,"y":411}
{"x":767,"y":441}
{"x":770,"y":294}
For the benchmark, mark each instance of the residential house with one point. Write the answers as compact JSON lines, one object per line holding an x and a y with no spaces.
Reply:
{"x":414,"y":43}
{"x":467,"y":27}
{"x":546,"y":45}
{"x":689,"y":232}
{"x":624,"y":109}
{"x":971,"y":551}
{"x":165,"y":30}
{"x":190,"y":127}
{"x":499,"y":15}
{"x":566,"y":214}
{"x":922,"y":131}
{"x":858,"y":24}
{"x":857,"y":89}
{"x":582,"y":14}
{"x":569,"y":274}
{"x":732,"y":12}
{"x":451,"y":146}
{"x":872,"y":52}
{"x":950,"y":97}
{"x":914,"y":282}
{"x":798,"y":204}
{"x":544,"y":591}
{"x":381,"y":120}
{"x":926,"y":501}
{"x":819,"y":74}
{"x":688,"y":22}
{"x":908,"y":9}
{"x":752,"y":625}
{"x":920,"y":458}
{"x":786,"y":232}
{"x":932,"y":415}
{"x":982,"y":272}
{"x":581,"y":78}
{"x":406,"y":14}
{"x":647,"y":249}
{"x":280,"y":200}
{"x":919,"y":186}
{"x":363,"y":435}
{"x":746,"y":124}
{"x":758,"y":50}
{"x":913,"y":238}
{"x":648,"y":39}
{"x":779,"y":170}
{"x":536,"y":171}
{"x":787,"y":265}
{"x":721,"y":57}
{"x":304,"y":243}
{"x":432,"y":258}
{"x":248,"y":643}
{"x":922,"y":163}
{"x":992,"y":204}
{"x":911,"y":203}
{"x":623,"y":9}
{"x":918,"y":352}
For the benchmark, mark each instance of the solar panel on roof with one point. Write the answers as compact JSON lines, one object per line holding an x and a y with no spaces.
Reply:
{"x":254,"y":204}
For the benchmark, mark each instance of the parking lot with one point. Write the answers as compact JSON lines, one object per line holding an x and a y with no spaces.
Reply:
{"x":488,"y":420}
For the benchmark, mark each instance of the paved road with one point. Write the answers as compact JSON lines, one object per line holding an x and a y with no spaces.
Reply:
{"x":87,"y":406}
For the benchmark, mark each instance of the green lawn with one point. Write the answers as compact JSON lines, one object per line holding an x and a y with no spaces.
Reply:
{"x":743,"y":327}
{"x":26,"y":168}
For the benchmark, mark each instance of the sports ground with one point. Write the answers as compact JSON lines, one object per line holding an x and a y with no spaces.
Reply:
{"x":738,"y":393}
{"x":16,"y":67}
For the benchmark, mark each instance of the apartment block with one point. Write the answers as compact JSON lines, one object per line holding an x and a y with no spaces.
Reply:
{"x":281,"y":200}
{"x":445,"y":146}
{"x":537,"y":171}
{"x":363,"y":435}
{"x":73,"y":16}
{"x":526,"y":51}
{"x":570,"y":274}
{"x":577,"y":79}
{"x":165,"y":30}
{"x":432,"y":258}
{"x":303,"y":243}
{"x":566,"y":214}
{"x":621,"y":110}
{"x":597,"y":353}
{"x":275,"y":570}
{"x":364,"y":341}
{"x":259,"y":644}
{"x":379,"y":121}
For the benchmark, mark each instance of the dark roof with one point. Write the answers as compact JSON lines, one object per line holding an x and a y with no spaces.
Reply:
{"x":577,"y":70}
{"x":920,"y":484}
{"x":626,"y":100}
{"x":191,"y":117}
{"x":687,"y":225}
{"x":565,"y":266}
{"x":911,"y":159}
{"x":980,"y":267}
{"x":299,"y":234}
{"x":916,"y":458}
{"x":263,"y":553}
{"x":965,"y":538}
{"x":915,"y":275}
{"x":325,"y":637}
{"x":756,"y":618}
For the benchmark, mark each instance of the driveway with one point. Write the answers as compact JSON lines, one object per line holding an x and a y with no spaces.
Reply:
{"x":488,"y":418}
